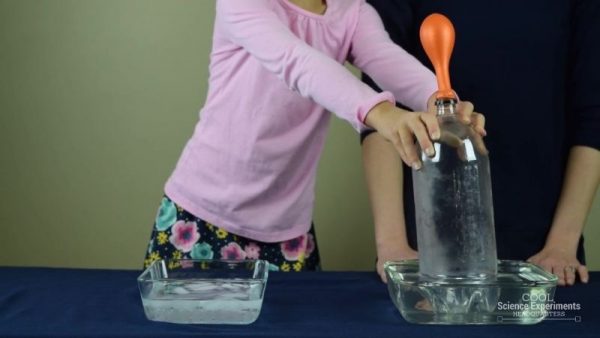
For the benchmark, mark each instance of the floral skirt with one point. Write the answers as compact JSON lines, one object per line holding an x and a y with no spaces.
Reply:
{"x":177,"y":234}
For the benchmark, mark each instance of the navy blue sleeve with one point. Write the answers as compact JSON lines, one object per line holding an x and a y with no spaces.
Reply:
{"x":584,"y":81}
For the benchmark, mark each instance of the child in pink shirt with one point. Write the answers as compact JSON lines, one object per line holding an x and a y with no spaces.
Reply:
{"x":244,"y":184}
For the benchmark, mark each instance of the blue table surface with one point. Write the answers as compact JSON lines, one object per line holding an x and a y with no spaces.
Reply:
{"x":49,"y":302}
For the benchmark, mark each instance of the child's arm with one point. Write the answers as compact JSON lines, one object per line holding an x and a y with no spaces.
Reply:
{"x":255,"y":27}
{"x":390,"y":66}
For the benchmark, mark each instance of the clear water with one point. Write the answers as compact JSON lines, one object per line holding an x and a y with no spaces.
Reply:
{"x":518,"y":295}
{"x":463,"y":300}
{"x":468,"y":305}
{"x":204,"y":302}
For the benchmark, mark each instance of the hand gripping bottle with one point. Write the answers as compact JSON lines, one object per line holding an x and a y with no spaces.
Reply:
{"x":453,"y":196}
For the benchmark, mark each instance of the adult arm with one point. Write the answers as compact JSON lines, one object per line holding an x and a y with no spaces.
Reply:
{"x":582,"y":174}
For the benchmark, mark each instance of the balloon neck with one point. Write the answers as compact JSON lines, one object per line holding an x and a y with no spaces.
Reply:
{"x":445,"y":94}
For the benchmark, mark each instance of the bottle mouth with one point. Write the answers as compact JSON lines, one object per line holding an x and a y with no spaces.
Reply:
{"x":445,"y":102}
{"x":446,"y":106}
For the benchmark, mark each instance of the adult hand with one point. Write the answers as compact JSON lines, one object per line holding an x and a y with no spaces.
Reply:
{"x":392,"y":253}
{"x":563,"y":263}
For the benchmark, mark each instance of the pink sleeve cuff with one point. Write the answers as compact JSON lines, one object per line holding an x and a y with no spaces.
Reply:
{"x":366,"y":107}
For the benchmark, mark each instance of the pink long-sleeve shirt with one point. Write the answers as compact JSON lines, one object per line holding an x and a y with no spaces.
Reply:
{"x":275,"y":74}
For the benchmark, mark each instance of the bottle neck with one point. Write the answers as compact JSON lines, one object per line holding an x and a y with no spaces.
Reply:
{"x":446,"y":107}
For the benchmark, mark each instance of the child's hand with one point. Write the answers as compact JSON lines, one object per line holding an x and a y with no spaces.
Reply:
{"x":401,"y":127}
{"x":561,"y":263}
{"x":392,"y":253}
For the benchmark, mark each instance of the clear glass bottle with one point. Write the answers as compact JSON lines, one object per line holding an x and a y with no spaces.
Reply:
{"x":453,"y":204}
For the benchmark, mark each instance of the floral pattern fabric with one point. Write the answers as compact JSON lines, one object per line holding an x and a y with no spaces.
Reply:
{"x":179,"y":234}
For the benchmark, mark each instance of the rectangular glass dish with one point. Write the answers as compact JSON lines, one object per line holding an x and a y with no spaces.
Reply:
{"x":203,"y":291}
{"x":521,"y":294}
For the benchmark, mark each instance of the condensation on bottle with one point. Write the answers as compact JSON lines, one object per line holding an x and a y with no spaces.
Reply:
{"x":453,"y":204}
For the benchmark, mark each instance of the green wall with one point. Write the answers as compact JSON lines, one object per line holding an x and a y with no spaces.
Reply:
{"x":97,"y":99}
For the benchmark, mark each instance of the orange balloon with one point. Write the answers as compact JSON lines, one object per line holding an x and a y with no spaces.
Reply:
{"x":437,"y":38}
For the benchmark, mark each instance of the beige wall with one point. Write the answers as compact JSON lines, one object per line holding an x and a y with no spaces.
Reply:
{"x":97,"y":98}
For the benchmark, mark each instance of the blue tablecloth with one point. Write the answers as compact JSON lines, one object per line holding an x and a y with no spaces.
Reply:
{"x":44,"y":302}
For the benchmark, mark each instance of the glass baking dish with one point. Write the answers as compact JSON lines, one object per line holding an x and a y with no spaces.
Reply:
{"x":203,"y":291}
{"x":522,"y":293}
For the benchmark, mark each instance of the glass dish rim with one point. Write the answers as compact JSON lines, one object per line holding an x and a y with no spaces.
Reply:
{"x":551,"y":279}
{"x":144,"y":275}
